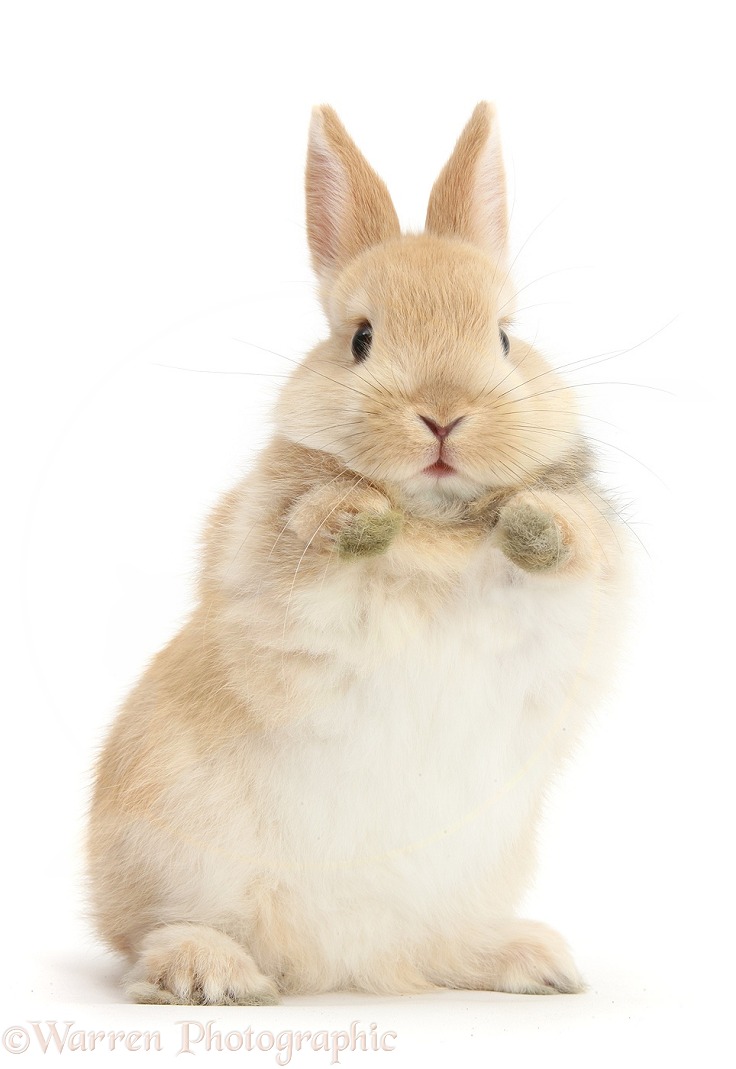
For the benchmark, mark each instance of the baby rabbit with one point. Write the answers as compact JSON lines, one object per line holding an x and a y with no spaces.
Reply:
{"x":331,"y":777}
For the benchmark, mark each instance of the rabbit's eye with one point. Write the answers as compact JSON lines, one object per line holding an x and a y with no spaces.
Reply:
{"x":362,"y":339}
{"x":504,"y":341}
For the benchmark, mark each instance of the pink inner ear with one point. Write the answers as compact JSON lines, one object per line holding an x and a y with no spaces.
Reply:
{"x":489,"y":194}
{"x":326,"y":203}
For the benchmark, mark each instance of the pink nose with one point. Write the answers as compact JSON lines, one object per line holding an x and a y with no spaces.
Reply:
{"x":437,"y":431}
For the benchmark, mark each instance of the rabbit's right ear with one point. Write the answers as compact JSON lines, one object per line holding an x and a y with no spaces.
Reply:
{"x":468,"y":200}
{"x":348,"y":206}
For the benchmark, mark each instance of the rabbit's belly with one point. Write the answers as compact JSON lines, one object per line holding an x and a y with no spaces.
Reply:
{"x":408,"y":810}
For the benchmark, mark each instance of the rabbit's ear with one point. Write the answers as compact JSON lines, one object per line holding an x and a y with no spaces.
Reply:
{"x":468,"y":199}
{"x":348,"y":206}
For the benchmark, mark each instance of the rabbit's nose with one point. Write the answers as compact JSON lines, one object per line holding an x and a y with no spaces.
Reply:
{"x":437,"y":430}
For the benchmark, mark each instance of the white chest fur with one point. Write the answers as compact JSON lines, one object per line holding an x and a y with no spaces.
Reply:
{"x":407,"y":802}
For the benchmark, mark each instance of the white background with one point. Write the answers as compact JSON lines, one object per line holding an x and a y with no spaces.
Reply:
{"x":152,"y":213}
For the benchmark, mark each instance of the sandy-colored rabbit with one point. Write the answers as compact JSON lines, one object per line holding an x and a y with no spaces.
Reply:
{"x":331,"y":777}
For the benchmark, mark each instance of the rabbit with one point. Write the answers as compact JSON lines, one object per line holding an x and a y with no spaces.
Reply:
{"x":331,"y":778}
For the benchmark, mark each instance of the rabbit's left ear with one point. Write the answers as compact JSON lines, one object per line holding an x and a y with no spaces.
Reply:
{"x":468,"y":200}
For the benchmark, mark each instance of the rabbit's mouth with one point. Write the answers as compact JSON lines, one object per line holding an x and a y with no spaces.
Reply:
{"x":439,"y":468}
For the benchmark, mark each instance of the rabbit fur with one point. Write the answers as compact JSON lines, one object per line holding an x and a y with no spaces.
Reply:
{"x":331,"y":777}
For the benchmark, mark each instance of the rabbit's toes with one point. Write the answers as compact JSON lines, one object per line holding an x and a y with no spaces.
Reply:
{"x":195,"y":965}
{"x":366,"y":534}
{"x":532,"y":538}
{"x":534,"y":960}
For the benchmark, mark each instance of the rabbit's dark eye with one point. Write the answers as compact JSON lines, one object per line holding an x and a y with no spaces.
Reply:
{"x":504,"y":341}
{"x":362,"y":339}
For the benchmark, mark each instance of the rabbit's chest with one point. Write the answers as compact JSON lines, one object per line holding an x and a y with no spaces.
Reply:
{"x":435,"y":756}
{"x":404,"y":805}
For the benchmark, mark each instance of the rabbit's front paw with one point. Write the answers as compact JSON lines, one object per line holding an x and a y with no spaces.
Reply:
{"x":357,"y":522}
{"x":532,"y":538}
{"x":366,"y":534}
